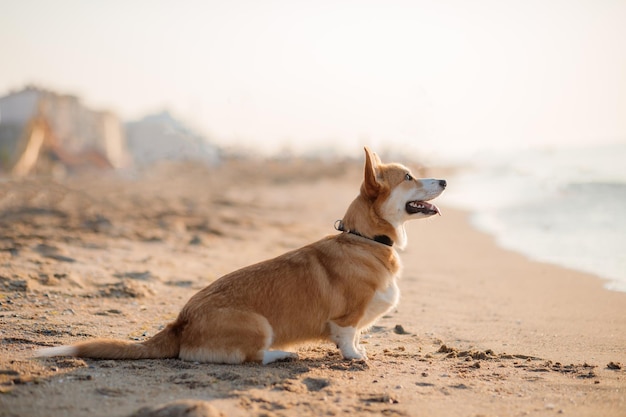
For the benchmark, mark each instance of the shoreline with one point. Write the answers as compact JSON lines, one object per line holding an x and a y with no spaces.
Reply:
{"x":611,"y":283}
{"x":562,"y":207}
{"x":479,"y":330}
{"x":533,"y":302}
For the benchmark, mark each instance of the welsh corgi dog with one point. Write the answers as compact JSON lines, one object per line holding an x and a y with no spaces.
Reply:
{"x":332,"y":289}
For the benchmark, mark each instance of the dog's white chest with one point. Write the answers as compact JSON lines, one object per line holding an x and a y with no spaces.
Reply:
{"x":383,"y":301}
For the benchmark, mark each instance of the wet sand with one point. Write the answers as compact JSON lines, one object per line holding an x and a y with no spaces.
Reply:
{"x":479,"y":331}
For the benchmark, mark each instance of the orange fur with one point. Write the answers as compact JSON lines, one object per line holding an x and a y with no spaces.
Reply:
{"x":330,"y":289}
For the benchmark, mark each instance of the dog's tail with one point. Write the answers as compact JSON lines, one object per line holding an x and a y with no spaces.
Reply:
{"x":164,"y":344}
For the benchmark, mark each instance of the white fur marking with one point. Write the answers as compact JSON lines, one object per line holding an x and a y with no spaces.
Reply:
{"x":212,"y":356}
{"x":347,"y":340}
{"x":382,"y":302}
{"x":56,"y":351}
{"x":270,"y":356}
{"x":394,"y":209}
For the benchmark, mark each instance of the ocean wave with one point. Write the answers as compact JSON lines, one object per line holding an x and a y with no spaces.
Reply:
{"x":563,"y":207}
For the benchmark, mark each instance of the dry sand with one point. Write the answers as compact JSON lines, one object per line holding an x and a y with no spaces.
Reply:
{"x":479,"y":331}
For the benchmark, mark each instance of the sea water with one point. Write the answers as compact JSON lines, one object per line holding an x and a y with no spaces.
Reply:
{"x":562,"y":206}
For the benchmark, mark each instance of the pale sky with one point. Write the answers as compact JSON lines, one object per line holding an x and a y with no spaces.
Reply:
{"x":434,"y":76}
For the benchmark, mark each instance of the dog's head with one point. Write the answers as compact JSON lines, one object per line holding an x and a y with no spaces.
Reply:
{"x":398,"y":195}
{"x":391,"y":195}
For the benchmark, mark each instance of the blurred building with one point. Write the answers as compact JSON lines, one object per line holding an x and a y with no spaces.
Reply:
{"x":161,"y":137}
{"x":43,"y":132}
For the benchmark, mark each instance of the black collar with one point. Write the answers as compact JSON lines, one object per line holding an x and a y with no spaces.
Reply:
{"x":384,"y":239}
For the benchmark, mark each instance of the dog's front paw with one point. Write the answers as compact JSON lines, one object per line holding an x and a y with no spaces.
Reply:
{"x":356,"y":357}
{"x":354,"y":354}
{"x":361,"y":349}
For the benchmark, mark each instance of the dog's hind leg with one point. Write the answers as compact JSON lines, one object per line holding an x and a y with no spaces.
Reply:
{"x":270,"y":356}
{"x":347,"y":340}
{"x":229,"y":336}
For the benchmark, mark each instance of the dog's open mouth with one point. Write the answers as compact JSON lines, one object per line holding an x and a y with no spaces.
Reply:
{"x":413,"y":207}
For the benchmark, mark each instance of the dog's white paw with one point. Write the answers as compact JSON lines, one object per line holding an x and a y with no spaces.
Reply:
{"x":270,"y":356}
{"x":354,"y":356}
{"x":361,"y":349}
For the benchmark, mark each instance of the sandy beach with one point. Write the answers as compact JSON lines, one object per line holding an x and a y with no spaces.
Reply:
{"x":479,"y":331}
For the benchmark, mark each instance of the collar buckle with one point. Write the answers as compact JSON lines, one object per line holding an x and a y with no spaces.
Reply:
{"x":384,"y":239}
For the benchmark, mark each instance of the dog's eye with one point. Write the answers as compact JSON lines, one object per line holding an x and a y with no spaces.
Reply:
{"x":408,"y":177}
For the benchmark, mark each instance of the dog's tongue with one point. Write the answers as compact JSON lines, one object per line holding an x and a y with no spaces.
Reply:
{"x":422,"y":207}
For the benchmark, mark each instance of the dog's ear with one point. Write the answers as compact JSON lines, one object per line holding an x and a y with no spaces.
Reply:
{"x":371,"y":186}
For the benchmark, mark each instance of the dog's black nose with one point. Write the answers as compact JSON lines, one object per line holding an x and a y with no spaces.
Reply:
{"x":443,"y":183}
